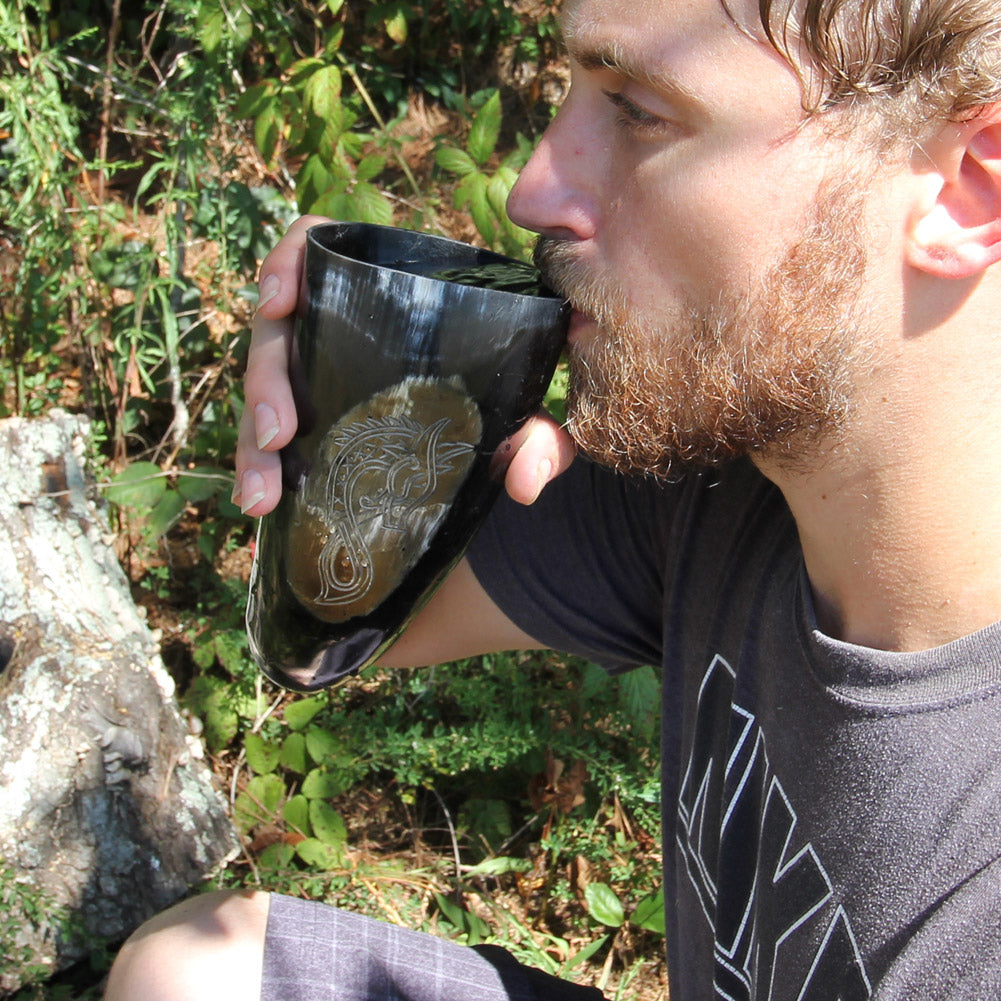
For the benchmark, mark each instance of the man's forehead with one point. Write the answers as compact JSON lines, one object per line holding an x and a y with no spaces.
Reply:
{"x":741,"y":14}
{"x":625,"y":26}
{"x":687,"y":47}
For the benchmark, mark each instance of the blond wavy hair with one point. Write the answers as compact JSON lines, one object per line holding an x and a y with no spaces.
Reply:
{"x":910,"y":61}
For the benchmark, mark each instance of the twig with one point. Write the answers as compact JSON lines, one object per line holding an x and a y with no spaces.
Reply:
{"x":455,"y":842}
{"x":370,"y":104}
{"x":518,"y":833}
{"x":109,"y":58}
{"x":606,"y":969}
{"x":259,"y":722}
{"x":236,"y":775}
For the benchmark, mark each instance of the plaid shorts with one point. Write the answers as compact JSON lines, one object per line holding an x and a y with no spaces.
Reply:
{"x":314,"y":952}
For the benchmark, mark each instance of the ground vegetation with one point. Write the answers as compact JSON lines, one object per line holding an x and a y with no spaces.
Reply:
{"x":150,"y":154}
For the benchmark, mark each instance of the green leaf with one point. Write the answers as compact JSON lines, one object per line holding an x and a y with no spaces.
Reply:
{"x":396,"y":22}
{"x":586,"y":953}
{"x":328,"y":147}
{"x":649,"y":913}
{"x":302,"y":69}
{"x":293,"y":753}
{"x":479,"y":208}
{"x":474,"y":927}
{"x":325,"y":747}
{"x":249,"y":706}
{"x":331,"y":203}
{"x":323,"y":94}
{"x":232,"y":651}
{"x":452,"y":911}
{"x":276,"y":857}
{"x":321,"y":783}
{"x":210,"y":29}
{"x":313,"y":180}
{"x":319,"y":854}
{"x":298,"y":714}
{"x":454,"y":160}
{"x":334,"y":6}
{"x":485,"y":130}
{"x":595,"y":682}
{"x":639,"y":696}
{"x":140,"y":485}
{"x":209,"y":699}
{"x":371,"y":205}
{"x":296,"y":814}
{"x":166,"y":511}
{"x":203,"y":482}
{"x":555,"y":403}
{"x":370,"y":166}
{"x":268,"y":128}
{"x":258,"y":803}
{"x":497,"y":191}
{"x":243,"y":26}
{"x":499,"y":866}
{"x":262,"y":755}
{"x":603,"y":905}
{"x":335,"y":36}
{"x":327,"y":823}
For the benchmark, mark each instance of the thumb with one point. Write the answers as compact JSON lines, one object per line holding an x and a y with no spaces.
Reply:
{"x":535,"y":454}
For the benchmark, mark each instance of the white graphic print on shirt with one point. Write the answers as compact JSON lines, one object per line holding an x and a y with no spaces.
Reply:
{"x":761,"y":886}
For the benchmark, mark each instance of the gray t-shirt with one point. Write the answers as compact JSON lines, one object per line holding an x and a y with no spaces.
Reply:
{"x":832,"y":814}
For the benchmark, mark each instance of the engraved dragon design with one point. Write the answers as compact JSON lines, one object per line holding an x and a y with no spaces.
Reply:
{"x":407,"y":459}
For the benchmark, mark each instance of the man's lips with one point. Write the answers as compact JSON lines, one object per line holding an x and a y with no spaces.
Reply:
{"x":580,"y":324}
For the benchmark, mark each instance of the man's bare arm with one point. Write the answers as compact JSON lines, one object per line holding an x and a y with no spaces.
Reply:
{"x":461,"y":620}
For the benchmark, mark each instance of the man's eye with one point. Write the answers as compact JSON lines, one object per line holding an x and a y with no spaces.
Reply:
{"x":633,"y":116}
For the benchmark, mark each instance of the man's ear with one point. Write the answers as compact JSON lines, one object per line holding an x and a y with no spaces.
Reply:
{"x":955,"y":228}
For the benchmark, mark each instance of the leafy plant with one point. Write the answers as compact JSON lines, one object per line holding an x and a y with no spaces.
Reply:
{"x":302,"y":112}
{"x":604,"y":905}
{"x":484,"y":191}
{"x":323,"y":765}
{"x":158,"y":499}
{"x":150,"y":154}
{"x":494,"y":728}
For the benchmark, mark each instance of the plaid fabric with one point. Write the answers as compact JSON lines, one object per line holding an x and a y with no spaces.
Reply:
{"x":318,"y":953}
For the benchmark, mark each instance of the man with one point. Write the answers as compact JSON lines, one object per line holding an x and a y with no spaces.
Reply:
{"x":779,"y":231}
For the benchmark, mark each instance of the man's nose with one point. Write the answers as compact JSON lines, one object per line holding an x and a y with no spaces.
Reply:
{"x":556,"y":192}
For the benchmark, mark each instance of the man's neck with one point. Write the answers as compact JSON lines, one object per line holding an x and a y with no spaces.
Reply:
{"x":901,"y":527}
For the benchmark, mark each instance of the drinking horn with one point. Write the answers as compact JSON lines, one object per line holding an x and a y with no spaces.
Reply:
{"x":409,"y":372}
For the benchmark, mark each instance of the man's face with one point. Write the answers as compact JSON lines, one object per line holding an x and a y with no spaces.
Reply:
{"x":708,"y":239}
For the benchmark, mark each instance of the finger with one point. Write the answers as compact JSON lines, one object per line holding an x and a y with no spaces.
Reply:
{"x":269,"y":416}
{"x":536,"y":454}
{"x":258,"y":486}
{"x":270,"y":406}
{"x":282,"y":268}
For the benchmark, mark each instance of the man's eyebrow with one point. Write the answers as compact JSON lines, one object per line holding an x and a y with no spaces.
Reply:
{"x":610,"y":56}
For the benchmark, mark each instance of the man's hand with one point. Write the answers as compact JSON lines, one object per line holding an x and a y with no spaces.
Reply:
{"x":536,"y":454}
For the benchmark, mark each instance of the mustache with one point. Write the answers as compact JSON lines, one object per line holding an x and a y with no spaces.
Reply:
{"x":566,"y":271}
{"x":558,"y":264}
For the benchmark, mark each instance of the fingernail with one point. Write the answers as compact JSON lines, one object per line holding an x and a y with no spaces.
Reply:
{"x":251,"y":490}
{"x":270,"y":287}
{"x":265,"y":425}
